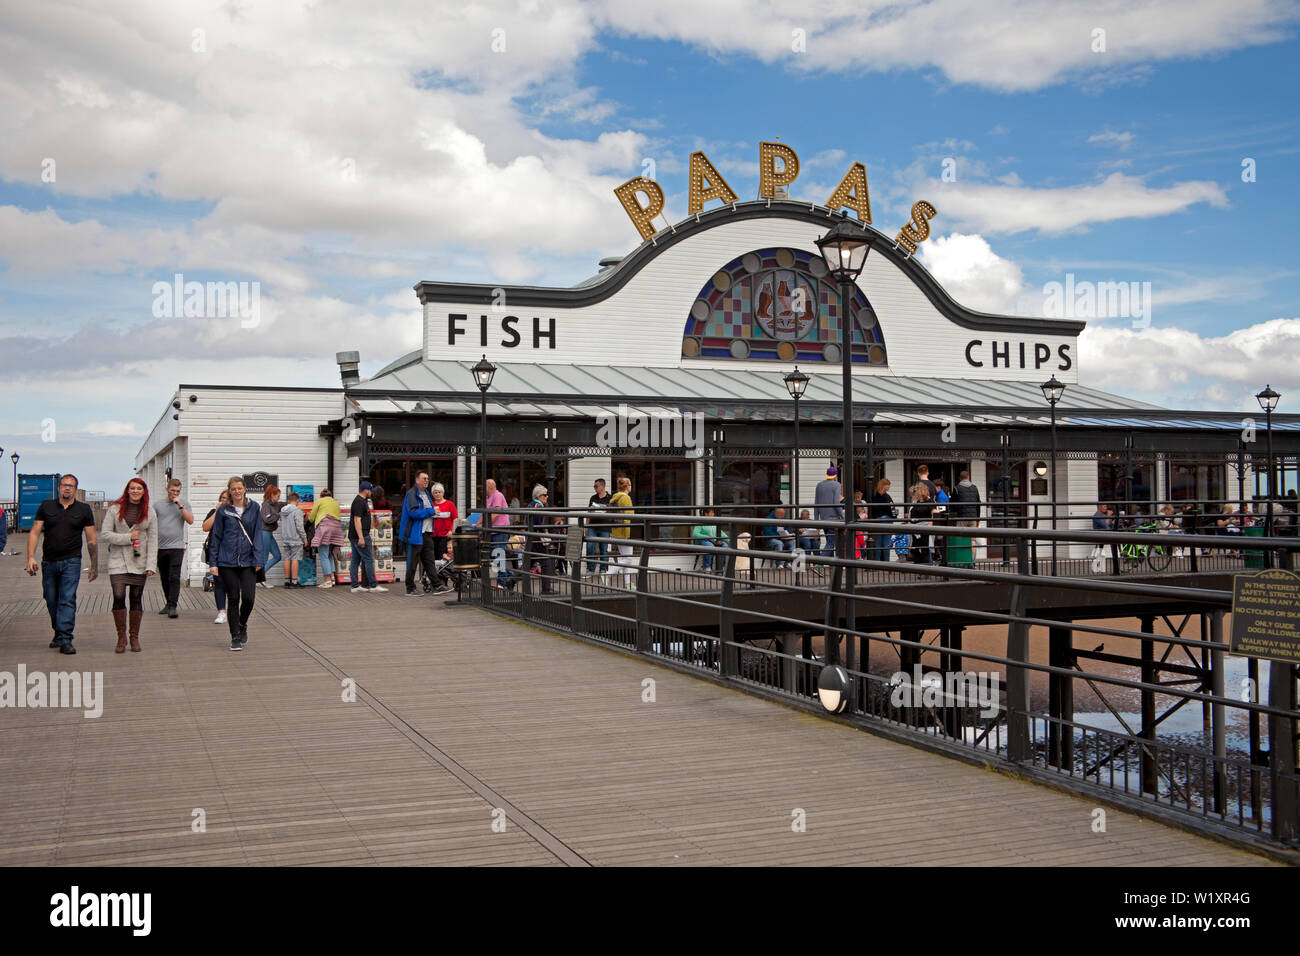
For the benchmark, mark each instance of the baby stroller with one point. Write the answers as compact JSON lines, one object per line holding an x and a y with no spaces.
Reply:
{"x":445,"y":578}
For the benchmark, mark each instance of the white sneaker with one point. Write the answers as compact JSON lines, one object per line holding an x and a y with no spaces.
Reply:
{"x":221,"y":618}
{"x":377,"y":588}
{"x":268,"y":585}
{"x":325,"y":584}
{"x":357,"y":588}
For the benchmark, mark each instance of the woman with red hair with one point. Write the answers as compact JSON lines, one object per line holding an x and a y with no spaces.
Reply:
{"x":131,"y":532}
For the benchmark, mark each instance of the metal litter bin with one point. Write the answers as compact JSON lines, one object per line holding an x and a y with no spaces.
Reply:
{"x":1254,"y":557}
{"x":465,"y":551}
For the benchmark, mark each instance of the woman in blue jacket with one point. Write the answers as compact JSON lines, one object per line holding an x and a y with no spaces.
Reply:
{"x":238,"y":551}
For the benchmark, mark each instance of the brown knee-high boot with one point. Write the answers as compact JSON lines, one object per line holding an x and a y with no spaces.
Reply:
{"x":135,"y":629}
{"x":119,"y":621}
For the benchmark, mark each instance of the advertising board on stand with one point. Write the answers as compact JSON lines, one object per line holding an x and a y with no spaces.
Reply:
{"x":381,"y":535}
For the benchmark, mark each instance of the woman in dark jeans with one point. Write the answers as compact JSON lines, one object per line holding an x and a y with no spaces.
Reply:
{"x":882,"y":509}
{"x":237,"y":553}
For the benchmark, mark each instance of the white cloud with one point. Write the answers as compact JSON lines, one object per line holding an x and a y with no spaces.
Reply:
{"x":1000,"y":44}
{"x":288,"y":328}
{"x":1222,"y":371}
{"x":973,"y":274}
{"x":1164,"y":364}
{"x":112,"y":429}
{"x":1005,"y":209}
{"x":1111,"y":138}
{"x":294,"y":121}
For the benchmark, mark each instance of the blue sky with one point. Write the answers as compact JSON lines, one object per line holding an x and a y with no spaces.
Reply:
{"x":339,"y":153}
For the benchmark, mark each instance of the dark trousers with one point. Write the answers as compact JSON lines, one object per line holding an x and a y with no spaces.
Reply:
{"x":364,"y":558}
{"x":170,"y":561}
{"x":241,"y":586}
{"x":423,"y":555}
{"x":59,"y":580}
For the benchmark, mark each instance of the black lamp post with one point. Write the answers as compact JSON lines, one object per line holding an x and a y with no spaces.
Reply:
{"x":1052,"y":391}
{"x":14,"y":459}
{"x":795,"y":383}
{"x":845,"y":250}
{"x":1281,"y":682}
{"x":483,"y":371}
{"x":1268,"y":401}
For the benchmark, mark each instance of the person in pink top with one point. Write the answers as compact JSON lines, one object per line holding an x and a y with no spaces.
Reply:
{"x":496,"y":500}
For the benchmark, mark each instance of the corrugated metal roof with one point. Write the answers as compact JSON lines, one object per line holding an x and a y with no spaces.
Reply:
{"x":588,"y":391}
{"x":583,"y":382}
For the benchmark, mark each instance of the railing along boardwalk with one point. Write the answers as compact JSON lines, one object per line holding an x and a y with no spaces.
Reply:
{"x":459,"y":712}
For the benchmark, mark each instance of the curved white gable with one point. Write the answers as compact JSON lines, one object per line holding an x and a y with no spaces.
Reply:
{"x":643,"y":322}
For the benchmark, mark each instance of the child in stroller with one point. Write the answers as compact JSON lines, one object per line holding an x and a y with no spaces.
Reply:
{"x":445,"y":578}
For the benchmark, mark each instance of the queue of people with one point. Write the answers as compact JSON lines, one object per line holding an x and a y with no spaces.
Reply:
{"x":927,"y":502}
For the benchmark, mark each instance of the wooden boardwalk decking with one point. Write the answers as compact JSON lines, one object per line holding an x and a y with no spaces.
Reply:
{"x":459,"y":713}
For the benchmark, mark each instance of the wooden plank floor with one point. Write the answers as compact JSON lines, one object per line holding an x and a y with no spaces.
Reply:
{"x":460,"y":712}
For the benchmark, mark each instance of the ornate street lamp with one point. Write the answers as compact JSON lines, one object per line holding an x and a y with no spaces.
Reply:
{"x":844,"y":250}
{"x":1052,"y":391}
{"x":483,"y":371}
{"x":796,"y":383}
{"x":1268,"y":400}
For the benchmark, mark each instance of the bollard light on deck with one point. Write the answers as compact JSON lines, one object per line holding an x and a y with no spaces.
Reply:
{"x":833,"y":688}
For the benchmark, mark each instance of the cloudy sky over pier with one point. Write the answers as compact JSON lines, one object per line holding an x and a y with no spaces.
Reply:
{"x":336,"y":153}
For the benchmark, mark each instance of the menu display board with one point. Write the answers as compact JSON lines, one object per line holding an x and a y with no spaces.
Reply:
{"x":381,"y":534}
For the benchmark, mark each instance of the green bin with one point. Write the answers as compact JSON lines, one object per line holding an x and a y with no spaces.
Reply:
{"x":959,"y":555}
{"x":1255,"y":558}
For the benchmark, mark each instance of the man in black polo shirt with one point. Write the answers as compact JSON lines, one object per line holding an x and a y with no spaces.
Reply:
{"x":63,"y":520}
{"x":363,"y":545}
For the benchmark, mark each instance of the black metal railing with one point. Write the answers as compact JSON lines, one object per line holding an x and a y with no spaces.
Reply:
{"x":771,"y":621}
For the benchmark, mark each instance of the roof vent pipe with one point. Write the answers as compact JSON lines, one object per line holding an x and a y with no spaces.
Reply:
{"x":349,"y":364}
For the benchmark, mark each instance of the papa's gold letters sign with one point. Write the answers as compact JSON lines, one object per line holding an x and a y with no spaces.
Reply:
{"x":707,"y":184}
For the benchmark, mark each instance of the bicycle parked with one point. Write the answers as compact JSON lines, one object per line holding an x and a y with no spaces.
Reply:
{"x":1157,"y":556}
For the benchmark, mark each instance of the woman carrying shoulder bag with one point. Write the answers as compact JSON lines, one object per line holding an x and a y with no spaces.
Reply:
{"x":131,"y":533}
{"x":238,"y":552}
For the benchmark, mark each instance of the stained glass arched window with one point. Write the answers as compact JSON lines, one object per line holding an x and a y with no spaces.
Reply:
{"x":778,"y":304}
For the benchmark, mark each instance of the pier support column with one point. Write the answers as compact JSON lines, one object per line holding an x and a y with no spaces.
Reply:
{"x":789,"y":641}
{"x":1020,"y":745}
{"x":954,"y":718}
{"x":1149,"y":782}
{"x":1281,"y":752}
{"x":1217,"y":729}
{"x":1060,"y":698}
{"x":1257,"y":756}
